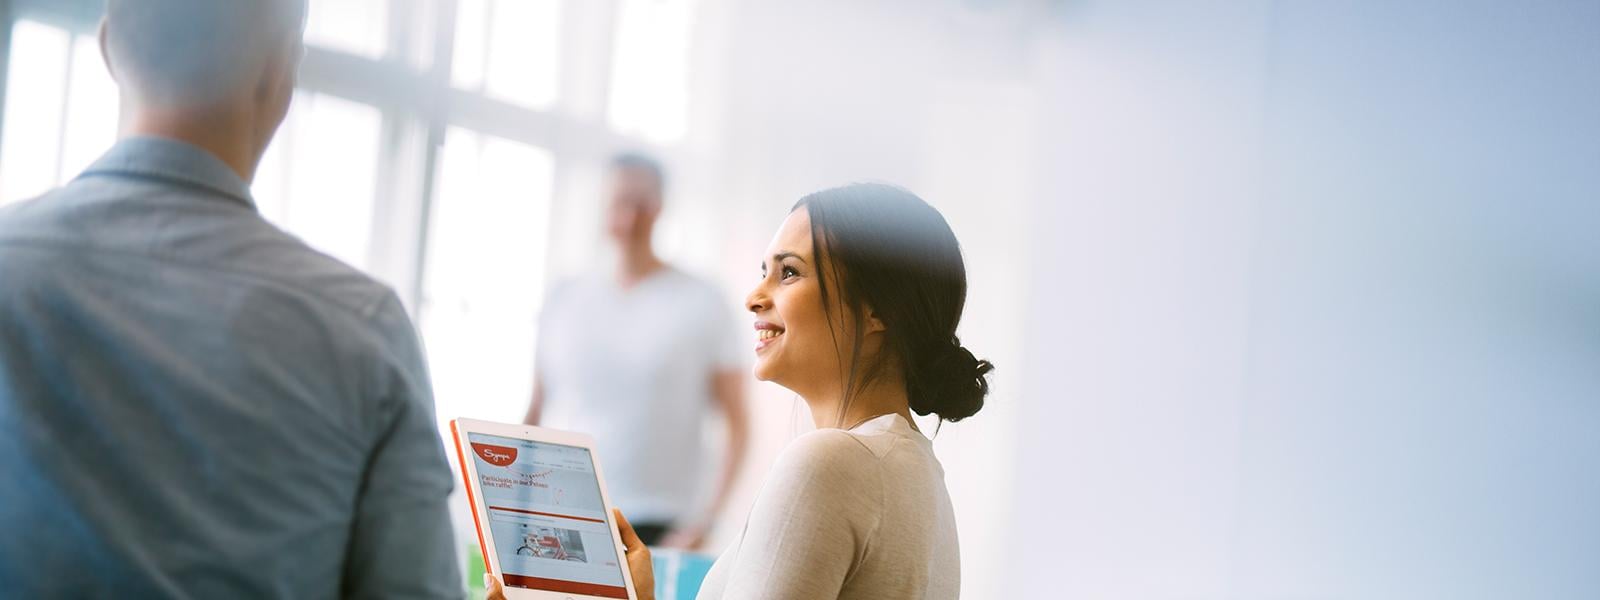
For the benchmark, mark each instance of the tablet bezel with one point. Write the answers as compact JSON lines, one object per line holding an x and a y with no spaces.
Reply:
{"x":459,"y":428}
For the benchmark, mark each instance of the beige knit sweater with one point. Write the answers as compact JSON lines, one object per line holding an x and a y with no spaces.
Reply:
{"x":861,"y":513}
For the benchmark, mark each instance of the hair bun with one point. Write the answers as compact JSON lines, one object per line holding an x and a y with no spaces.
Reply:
{"x":951,"y":382}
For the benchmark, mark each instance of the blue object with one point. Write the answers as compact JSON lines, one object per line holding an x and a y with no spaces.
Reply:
{"x":679,"y":574}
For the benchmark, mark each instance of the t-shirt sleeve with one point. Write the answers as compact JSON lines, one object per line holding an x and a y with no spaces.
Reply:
{"x":812,"y":523}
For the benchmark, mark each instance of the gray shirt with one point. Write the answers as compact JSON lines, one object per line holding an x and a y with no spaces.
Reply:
{"x":194,"y":404}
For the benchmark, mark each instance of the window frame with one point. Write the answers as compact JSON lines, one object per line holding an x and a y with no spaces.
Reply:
{"x":418,"y":104}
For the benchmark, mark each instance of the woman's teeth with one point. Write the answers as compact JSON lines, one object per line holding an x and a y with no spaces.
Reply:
{"x":767,"y":334}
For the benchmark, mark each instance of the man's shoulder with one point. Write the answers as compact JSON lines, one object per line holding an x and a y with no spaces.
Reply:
{"x":289,"y":261}
{"x":209,"y":237}
{"x":15,"y":214}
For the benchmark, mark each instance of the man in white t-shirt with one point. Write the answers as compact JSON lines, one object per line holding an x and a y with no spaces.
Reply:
{"x":637,"y":356}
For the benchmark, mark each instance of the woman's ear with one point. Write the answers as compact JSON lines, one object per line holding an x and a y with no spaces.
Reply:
{"x":874,"y":324}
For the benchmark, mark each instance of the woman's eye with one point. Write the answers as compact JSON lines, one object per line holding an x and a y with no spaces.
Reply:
{"x":789,"y":272}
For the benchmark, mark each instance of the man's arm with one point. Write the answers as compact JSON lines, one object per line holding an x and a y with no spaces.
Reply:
{"x":727,"y":390}
{"x":541,"y":347}
{"x":402,"y":544}
{"x":536,"y":404}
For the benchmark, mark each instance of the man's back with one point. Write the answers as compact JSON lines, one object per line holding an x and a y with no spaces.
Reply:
{"x":194,"y":404}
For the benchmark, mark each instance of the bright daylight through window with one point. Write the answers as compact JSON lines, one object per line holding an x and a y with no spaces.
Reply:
{"x":476,"y":193}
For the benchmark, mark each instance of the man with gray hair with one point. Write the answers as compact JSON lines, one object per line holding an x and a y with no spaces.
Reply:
{"x":193,"y":403}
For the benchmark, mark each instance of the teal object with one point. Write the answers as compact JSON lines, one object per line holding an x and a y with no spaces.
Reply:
{"x":679,"y":574}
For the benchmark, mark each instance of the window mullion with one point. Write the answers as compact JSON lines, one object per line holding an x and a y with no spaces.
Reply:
{"x":6,"y":21}
{"x":435,"y":118}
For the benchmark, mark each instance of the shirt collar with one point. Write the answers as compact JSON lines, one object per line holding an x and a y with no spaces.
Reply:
{"x":172,"y":160}
{"x":892,"y":423}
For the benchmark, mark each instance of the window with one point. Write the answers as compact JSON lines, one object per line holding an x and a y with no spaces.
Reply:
{"x":509,"y":50}
{"x":451,"y":206}
{"x":485,"y":273}
{"x":355,"y":26}
{"x":91,"y":120}
{"x":650,"y":75}
{"x":61,"y":109}
{"x":318,"y":177}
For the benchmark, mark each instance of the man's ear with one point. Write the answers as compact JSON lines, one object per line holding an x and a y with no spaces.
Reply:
{"x":105,"y":51}
{"x":280,"y":71}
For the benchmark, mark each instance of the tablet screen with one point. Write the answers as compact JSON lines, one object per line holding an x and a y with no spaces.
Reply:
{"x":550,"y":528}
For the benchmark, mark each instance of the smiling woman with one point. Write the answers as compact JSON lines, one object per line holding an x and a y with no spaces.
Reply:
{"x":860,"y":304}
{"x":861,"y":292}
{"x":856,"y":312}
{"x":894,"y":267}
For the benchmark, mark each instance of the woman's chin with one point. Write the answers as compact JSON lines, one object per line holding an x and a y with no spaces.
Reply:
{"x":769,"y":370}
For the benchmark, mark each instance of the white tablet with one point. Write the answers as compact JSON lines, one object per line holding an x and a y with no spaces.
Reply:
{"x":543,"y":517}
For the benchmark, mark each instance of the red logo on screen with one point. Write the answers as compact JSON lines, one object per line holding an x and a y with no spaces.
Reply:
{"x":498,"y":456}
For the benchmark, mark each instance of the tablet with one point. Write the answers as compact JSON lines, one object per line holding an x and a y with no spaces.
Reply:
{"x":541,"y":510}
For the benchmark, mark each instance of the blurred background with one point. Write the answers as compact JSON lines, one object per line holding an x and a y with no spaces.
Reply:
{"x":1288,"y":299}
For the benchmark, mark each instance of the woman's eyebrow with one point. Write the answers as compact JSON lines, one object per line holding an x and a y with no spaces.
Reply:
{"x":782,"y":255}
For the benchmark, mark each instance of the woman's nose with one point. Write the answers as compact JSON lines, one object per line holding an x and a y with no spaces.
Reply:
{"x":757,"y":301}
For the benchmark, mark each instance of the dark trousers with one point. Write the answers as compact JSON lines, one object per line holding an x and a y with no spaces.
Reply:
{"x":651,"y":533}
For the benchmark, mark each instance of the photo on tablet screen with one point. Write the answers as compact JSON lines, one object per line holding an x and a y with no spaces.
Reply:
{"x":548,"y":542}
{"x":549,"y":526}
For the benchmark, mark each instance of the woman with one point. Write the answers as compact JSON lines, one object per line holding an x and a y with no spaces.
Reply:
{"x":856,"y":311}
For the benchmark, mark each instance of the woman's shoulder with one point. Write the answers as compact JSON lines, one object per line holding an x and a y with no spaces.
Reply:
{"x":829,"y":444}
{"x":824,"y":478}
{"x":832,"y":453}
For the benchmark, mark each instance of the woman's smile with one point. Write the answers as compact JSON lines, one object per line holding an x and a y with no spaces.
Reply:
{"x":766,"y":335}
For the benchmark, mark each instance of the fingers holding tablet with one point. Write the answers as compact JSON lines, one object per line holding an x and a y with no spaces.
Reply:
{"x":644,"y":577}
{"x":495,"y":590}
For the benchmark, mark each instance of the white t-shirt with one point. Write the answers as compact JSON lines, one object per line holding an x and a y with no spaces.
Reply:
{"x":633,"y":368}
{"x":858,"y":514}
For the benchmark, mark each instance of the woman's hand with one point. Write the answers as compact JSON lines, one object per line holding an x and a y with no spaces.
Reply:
{"x":644,"y":575}
{"x":496,"y":591}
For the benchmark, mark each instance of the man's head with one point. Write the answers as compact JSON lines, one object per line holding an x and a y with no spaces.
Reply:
{"x":206,"y":60}
{"x":637,"y":184}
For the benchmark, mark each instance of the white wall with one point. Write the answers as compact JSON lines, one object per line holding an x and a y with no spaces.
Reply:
{"x":1141,"y":302}
{"x":1288,"y":299}
{"x":1425,"y":358}
{"x":1317,"y":318}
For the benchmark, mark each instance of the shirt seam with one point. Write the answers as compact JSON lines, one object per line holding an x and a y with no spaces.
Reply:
{"x":155,"y":174}
{"x":365,"y":312}
{"x":868,"y":543}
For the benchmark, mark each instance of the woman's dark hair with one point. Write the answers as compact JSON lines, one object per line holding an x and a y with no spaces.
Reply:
{"x":890,"y":251}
